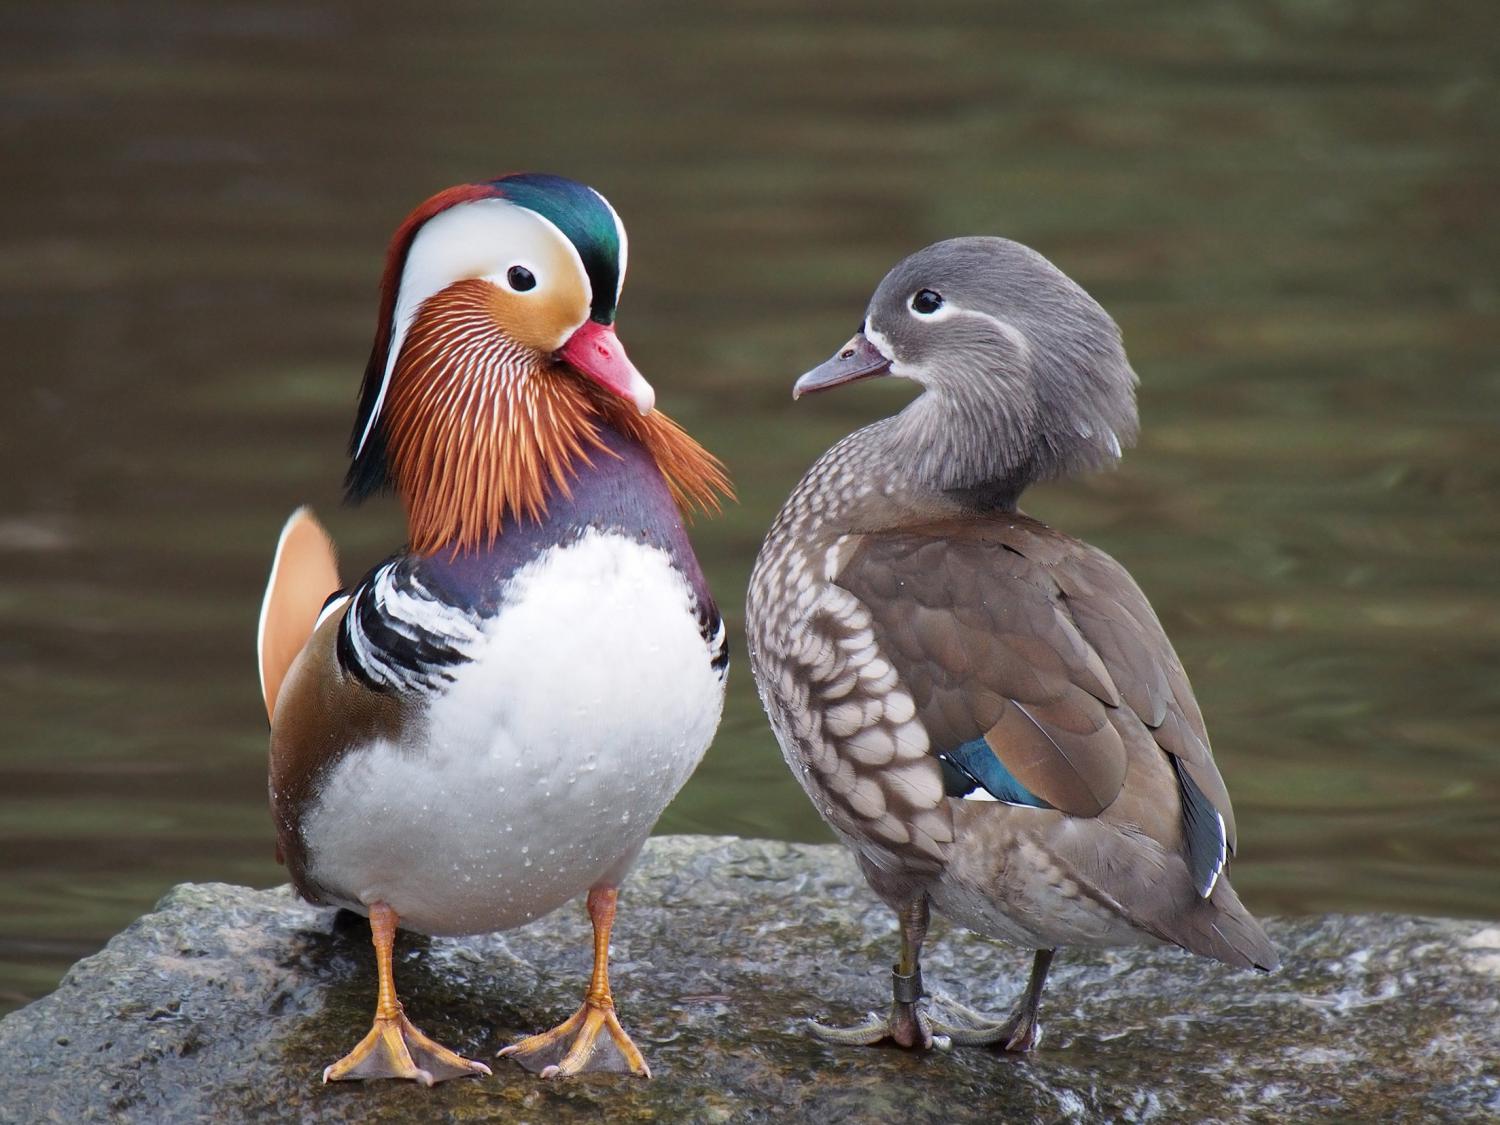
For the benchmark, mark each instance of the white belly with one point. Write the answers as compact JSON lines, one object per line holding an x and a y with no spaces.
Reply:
{"x":542,"y":768}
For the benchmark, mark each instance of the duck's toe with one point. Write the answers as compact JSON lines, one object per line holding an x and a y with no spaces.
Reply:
{"x":395,"y":1048}
{"x":1016,"y":1034}
{"x":908,"y":1025}
{"x":922,"y":1025}
{"x":590,"y":1040}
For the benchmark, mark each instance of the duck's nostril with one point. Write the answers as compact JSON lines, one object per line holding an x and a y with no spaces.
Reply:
{"x":847,"y":353}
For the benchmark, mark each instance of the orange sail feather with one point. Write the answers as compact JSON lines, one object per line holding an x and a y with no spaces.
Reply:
{"x":305,"y":572}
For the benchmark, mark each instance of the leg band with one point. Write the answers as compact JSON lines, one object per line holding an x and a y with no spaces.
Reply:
{"x":906,"y":989}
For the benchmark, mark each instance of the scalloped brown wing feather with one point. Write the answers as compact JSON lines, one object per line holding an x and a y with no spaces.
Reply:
{"x":303,"y":575}
{"x":981,"y":641}
{"x":1006,"y":629}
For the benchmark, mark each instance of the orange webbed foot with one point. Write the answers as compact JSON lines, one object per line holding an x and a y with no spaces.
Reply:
{"x":590,"y":1040}
{"x":395,"y":1048}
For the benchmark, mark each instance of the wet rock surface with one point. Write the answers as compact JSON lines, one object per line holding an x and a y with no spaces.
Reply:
{"x":226,"y":1003}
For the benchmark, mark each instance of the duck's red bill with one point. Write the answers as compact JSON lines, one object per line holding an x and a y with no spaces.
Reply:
{"x":596,"y":352}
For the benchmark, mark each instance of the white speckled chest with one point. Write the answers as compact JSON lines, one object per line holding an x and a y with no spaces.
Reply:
{"x":846,"y":727}
{"x":588,"y":700}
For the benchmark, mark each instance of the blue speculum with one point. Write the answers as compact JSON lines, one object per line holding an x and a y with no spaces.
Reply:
{"x":975,"y":766}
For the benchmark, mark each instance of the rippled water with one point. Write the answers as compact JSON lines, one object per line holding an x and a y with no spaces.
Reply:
{"x":1291,"y":210}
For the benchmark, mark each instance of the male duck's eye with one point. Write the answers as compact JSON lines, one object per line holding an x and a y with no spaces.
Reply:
{"x":926,"y":302}
{"x":521,"y":279}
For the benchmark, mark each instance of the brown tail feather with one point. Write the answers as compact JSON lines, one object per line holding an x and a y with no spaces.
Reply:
{"x":1221,"y":927}
{"x":303,"y":574}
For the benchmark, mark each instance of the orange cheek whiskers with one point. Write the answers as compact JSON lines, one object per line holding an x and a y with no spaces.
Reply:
{"x":479,"y":427}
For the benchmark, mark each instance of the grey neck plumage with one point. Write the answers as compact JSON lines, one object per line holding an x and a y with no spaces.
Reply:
{"x":960,"y":445}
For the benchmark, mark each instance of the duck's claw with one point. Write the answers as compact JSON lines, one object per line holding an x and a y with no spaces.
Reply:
{"x":911,"y":1025}
{"x":866,"y":1034}
{"x":591,"y":1039}
{"x":395,"y":1048}
{"x":918,"y":1024}
{"x":906,"y":1026}
{"x":1017,"y":1034}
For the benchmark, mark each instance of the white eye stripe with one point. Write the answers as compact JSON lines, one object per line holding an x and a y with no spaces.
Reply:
{"x":949,"y":310}
{"x":459,"y":243}
{"x":572,"y":252}
{"x":1016,"y":337}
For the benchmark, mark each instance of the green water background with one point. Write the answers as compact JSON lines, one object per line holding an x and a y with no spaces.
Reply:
{"x":1291,"y":209}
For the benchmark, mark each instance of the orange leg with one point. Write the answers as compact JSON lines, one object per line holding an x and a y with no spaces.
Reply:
{"x":394,"y":1048}
{"x":575,"y":1046}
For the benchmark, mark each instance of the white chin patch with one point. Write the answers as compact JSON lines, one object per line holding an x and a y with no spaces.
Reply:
{"x":882,"y":344}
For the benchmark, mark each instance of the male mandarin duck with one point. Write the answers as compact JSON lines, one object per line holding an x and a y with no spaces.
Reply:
{"x":489,"y":723}
{"x":984,"y":709}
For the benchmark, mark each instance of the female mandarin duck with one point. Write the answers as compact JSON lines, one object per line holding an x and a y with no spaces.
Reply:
{"x":985,"y":709}
{"x":490,"y":722}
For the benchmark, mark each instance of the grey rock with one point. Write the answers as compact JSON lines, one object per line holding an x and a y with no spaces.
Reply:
{"x":226,"y":1003}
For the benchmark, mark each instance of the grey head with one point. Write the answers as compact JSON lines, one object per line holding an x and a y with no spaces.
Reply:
{"x":1023,"y":373}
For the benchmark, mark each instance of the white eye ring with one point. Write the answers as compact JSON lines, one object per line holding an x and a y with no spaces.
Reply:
{"x":520,"y":279}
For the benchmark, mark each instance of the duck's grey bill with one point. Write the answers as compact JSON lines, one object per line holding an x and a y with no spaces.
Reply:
{"x":858,"y":359}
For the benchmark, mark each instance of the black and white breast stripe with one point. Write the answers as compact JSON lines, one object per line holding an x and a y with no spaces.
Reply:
{"x":400,"y":636}
{"x":716,"y":636}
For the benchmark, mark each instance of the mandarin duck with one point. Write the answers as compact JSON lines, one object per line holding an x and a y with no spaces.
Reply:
{"x":489,"y":722}
{"x":984,"y":709}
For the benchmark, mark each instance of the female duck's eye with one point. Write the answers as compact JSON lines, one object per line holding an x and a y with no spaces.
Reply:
{"x":926,"y":302}
{"x":521,"y":279}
